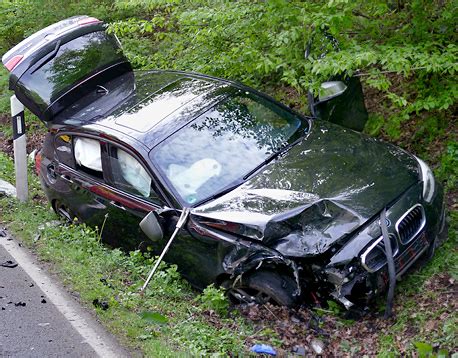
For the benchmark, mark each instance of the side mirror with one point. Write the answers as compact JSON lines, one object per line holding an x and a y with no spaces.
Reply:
{"x":330,"y":90}
{"x":151,"y":227}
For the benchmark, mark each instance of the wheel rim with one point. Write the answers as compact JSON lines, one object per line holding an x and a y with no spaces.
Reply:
{"x":249,"y":295}
{"x":62,"y":211}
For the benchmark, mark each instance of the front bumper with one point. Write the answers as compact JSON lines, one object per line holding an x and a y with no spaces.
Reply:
{"x":413,"y":227}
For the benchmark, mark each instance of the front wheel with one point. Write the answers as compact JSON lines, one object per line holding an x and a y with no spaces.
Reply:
{"x":262,"y":287}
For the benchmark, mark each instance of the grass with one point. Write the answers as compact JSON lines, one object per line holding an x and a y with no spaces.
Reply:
{"x":96,"y":272}
{"x":193,"y":326}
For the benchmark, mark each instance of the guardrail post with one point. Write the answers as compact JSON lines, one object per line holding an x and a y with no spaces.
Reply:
{"x":19,"y":145}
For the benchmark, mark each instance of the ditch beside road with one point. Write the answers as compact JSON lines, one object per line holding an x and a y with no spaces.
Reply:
{"x":38,"y":318}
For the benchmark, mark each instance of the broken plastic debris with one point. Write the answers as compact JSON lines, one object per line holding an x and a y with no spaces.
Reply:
{"x":31,"y":156}
{"x":6,"y":189}
{"x":299,"y":351}
{"x":9,"y":264}
{"x":100,"y":304}
{"x":317,"y":346}
{"x":105,"y":282}
{"x":263,"y":349}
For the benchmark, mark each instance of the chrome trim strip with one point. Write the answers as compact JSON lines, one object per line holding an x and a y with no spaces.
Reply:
{"x":422,"y":224}
{"x":364,"y":255}
{"x":373,"y":245}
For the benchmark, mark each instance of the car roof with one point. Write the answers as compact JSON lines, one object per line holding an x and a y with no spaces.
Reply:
{"x":148,"y":106}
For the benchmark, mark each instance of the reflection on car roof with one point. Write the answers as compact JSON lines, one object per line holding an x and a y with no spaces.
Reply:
{"x":152,"y":110}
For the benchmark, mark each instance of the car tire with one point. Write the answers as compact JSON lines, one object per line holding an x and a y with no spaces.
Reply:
{"x":263,"y":287}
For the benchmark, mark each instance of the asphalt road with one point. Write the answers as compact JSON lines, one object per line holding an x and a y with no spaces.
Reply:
{"x":38,"y":318}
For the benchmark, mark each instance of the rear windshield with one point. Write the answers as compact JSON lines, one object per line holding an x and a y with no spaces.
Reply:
{"x":74,"y":61}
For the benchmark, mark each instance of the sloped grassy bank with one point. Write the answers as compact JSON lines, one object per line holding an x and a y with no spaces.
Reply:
{"x":173,"y":319}
{"x":169,"y":318}
{"x":404,"y":52}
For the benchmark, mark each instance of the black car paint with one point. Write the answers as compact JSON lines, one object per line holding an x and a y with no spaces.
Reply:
{"x":42,"y":47}
{"x":309,"y":213}
{"x":350,"y":186}
{"x":347,"y":109}
{"x":227,"y":237}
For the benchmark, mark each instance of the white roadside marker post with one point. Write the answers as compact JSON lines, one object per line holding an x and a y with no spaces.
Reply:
{"x":19,"y":145}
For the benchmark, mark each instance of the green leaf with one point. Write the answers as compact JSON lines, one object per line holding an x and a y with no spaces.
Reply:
{"x":153,"y":317}
{"x":443,"y":353}
{"x":424,"y":349}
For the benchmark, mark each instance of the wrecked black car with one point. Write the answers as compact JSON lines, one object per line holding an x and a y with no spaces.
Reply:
{"x":282,"y":207}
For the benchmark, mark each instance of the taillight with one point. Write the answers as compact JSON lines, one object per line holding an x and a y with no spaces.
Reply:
{"x":88,"y":20}
{"x":12,"y":63}
{"x":38,"y":159}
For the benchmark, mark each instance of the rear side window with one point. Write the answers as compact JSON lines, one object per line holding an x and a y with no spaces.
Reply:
{"x":64,"y":149}
{"x":129,"y":175}
{"x":88,"y":156}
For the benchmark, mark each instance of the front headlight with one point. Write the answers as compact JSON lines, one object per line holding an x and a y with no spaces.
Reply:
{"x":427,"y":177}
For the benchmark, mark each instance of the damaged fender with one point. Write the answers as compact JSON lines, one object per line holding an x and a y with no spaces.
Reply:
{"x":251,"y":256}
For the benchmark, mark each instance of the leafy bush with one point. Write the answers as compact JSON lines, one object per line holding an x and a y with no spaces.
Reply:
{"x":404,"y":52}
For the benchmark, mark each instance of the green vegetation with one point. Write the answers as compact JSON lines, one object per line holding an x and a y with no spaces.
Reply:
{"x":170,"y":316}
{"x":406,"y":56}
{"x":404,"y":51}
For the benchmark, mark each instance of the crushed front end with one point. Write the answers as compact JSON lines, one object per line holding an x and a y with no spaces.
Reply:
{"x":356,"y":272}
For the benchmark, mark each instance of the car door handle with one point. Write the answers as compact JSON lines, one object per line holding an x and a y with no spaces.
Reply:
{"x":66,"y":178}
{"x":118,"y":205}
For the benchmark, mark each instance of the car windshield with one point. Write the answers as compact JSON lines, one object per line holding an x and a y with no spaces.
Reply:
{"x":222,"y":145}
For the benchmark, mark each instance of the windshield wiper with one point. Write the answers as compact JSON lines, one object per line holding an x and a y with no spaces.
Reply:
{"x":272,"y":157}
{"x":232,"y":186}
{"x":223,"y":191}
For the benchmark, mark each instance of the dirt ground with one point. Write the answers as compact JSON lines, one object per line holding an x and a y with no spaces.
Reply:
{"x":301,"y":329}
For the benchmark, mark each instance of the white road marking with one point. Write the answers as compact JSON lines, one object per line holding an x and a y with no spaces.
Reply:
{"x":90,"y":330}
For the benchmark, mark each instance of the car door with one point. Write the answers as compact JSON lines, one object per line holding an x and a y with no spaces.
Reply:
{"x":131,"y":195}
{"x":347,"y":109}
{"x":72,"y":175}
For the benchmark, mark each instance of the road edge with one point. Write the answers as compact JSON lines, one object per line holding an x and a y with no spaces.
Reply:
{"x":95,"y":335}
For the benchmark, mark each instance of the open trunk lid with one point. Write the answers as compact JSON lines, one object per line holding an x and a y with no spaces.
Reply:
{"x":62,"y":63}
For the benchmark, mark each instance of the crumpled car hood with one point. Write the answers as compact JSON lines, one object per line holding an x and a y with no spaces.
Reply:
{"x":321,"y":190}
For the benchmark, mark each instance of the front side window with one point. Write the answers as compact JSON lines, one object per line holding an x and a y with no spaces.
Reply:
{"x":128,"y":174}
{"x":222,"y":145}
{"x":88,"y":156}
